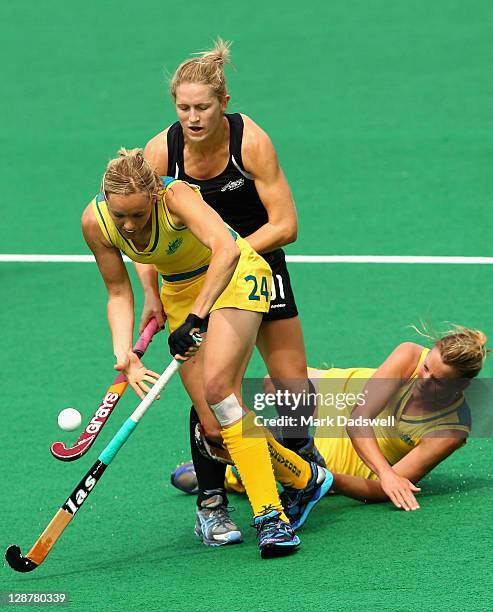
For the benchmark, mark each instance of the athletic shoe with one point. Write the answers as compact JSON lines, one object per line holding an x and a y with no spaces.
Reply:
{"x":298,"y":503}
{"x":183,"y":477}
{"x":309,"y":452}
{"x":276,"y":538}
{"x":213,"y":525}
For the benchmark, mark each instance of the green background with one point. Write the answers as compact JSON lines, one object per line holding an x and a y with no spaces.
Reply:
{"x":381,"y":115}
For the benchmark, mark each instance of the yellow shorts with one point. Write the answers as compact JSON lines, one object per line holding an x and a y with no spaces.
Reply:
{"x":248,"y":289}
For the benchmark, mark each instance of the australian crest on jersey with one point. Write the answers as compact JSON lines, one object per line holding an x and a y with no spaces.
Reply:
{"x":174,"y":245}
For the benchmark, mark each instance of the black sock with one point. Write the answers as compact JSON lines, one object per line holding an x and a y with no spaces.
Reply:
{"x":297,"y":436}
{"x":210,"y":473}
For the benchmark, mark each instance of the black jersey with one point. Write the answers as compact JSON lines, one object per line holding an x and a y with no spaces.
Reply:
{"x":232,"y":194}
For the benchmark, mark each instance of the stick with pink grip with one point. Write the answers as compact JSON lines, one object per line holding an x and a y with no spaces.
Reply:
{"x":110,"y":400}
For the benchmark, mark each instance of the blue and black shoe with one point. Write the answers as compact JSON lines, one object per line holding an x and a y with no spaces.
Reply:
{"x":298,"y":503}
{"x":183,"y":477}
{"x":276,"y":538}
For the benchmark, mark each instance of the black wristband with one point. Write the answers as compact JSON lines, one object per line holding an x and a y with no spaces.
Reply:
{"x":194,"y":320}
{"x":181,"y":339}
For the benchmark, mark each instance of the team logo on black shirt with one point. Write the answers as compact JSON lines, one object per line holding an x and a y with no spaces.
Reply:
{"x":233,"y":185}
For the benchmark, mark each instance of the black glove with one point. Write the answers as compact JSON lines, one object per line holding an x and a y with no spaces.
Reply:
{"x":181,"y":340}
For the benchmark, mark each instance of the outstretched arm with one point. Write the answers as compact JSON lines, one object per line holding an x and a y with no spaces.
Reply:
{"x":120,"y":307}
{"x":379,"y":390}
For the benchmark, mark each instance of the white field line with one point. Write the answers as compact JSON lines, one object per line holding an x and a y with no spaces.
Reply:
{"x":335,"y":259}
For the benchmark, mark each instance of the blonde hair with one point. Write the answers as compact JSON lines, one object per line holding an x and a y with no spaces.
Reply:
{"x":460,"y":347}
{"x":130,"y":173}
{"x":207,"y":68}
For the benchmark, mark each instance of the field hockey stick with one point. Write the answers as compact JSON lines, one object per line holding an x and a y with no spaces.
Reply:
{"x":103,"y":413}
{"x":66,"y":513}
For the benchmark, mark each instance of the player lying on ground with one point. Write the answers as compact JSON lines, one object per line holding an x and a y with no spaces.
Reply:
{"x":234,"y":163}
{"x":207,"y":269}
{"x":422,"y":389}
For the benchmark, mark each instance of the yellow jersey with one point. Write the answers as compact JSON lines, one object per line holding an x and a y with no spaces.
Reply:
{"x":182,"y":260}
{"x":396,"y":432}
{"x":175,"y":252}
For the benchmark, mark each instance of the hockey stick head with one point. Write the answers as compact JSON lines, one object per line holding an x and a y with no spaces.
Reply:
{"x":211,"y":450}
{"x":65,"y":453}
{"x":17,"y":561}
{"x":59,"y":450}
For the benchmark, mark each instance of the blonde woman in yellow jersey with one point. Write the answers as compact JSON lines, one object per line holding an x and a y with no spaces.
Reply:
{"x":423,"y":390}
{"x":207,"y":269}
{"x":415,"y":397}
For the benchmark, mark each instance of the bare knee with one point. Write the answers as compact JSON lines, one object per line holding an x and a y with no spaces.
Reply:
{"x":217,"y":389}
{"x":289,"y":369}
{"x":291,"y":385}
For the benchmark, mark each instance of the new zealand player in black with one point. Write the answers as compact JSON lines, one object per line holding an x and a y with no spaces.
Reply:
{"x":234,"y":163}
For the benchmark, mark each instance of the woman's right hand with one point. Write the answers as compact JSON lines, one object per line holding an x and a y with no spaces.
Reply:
{"x":136,"y":374}
{"x":400,"y":490}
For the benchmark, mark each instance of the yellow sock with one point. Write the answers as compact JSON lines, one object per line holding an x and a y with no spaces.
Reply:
{"x":248,"y":449}
{"x":290,"y":469}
